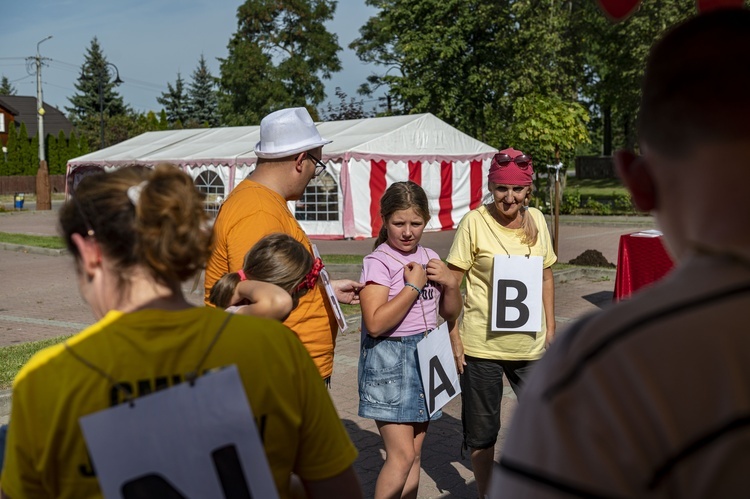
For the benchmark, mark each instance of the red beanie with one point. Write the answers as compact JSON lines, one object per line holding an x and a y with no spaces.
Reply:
{"x":511,"y":174}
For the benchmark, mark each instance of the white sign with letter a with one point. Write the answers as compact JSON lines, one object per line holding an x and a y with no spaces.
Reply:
{"x":182,"y":442}
{"x":516,"y":293}
{"x":438,"y":369}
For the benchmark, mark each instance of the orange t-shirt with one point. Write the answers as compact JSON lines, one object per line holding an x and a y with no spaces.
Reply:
{"x":251,"y":212}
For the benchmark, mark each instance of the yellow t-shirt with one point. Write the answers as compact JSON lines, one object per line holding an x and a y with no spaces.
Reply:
{"x":148,"y":350}
{"x":473,"y":250}
{"x":251,"y":212}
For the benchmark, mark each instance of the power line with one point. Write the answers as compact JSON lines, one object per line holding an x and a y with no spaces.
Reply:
{"x":22,"y":78}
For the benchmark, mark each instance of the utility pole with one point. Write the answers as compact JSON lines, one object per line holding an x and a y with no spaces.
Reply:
{"x":43,"y":190}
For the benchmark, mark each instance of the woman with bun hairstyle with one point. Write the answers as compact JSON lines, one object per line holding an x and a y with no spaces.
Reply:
{"x":136,"y":235}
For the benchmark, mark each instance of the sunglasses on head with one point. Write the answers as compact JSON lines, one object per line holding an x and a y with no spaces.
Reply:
{"x":522,"y":161}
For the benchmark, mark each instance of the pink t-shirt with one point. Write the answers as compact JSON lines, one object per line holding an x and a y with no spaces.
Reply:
{"x":385,"y":266}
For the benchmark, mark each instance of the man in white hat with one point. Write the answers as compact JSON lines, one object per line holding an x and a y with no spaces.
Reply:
{"x":289,"y":154}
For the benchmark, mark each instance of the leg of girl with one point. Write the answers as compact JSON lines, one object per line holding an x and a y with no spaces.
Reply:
{"x":399,"y":477}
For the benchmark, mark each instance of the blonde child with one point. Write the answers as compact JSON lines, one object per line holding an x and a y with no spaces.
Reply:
{"x":406,"y":286}
{"x":277,"y":271}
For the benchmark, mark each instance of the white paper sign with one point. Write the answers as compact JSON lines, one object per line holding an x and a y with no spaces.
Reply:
{"x":340,"y":319}
{"x":438,"y":369}
{"x":185,"y":441}
{"x":517,"y":293}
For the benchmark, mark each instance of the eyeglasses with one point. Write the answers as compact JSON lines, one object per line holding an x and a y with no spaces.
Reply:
{"x":522,"y":161}
{"x":319,"y":165}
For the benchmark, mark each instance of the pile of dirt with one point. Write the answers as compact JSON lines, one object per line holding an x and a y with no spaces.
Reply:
{"x":591,"y":258}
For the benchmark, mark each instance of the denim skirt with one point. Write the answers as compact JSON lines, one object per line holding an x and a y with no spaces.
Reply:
{"x":390,"y":386}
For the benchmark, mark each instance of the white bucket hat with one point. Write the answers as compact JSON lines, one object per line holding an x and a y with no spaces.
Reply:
{"x":287,"y":132}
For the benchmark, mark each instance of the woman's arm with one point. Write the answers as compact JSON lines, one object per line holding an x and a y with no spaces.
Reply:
{"x":266,"y":300}
{"x":380,"y":314}
{"x":456,"y":343}
{"x":450,"y":300}
{"x":548,"y":300}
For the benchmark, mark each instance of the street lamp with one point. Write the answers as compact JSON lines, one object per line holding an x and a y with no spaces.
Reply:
{"x":105,"y":72}
{"x":388,"y":95}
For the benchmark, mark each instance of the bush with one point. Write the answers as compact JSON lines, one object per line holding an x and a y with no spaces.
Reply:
{"x":594,"y":207}
{"x":623,"y":203}
{"x":571,"y":202}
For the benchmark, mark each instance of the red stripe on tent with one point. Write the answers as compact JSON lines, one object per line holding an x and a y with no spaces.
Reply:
{"x":415,"y":172}
{"x":446,"y":195}
{"x":475,"y":183}
{"x":377,"y":188}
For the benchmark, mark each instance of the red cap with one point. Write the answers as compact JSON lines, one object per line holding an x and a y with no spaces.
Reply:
{"x":510,"y":174}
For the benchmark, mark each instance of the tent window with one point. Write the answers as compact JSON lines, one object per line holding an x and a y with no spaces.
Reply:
{"x":210,"y":184}
{"x":320,"y":202}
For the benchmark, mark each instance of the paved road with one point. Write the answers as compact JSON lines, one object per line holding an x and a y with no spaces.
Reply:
{"x":577,"y":234}
{"x":39,"y":299}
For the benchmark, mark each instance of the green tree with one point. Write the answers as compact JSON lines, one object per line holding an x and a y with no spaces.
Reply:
{"x":549,"y":126}
{"x":152,"y":122}
{"x":82,"y":145}
{"x":96,"y":97}
{"x":444,"y":57}
{"x":478,"y":64}
{"x":615,"y":60}
{"x":163,"y":122}
{"x":32,"y":157}
{"x":6,"y":88}
{"x":346,"y":110}
{"x":58,"y":153}
{"x":202,"y":96}
{"x":277,"y":58}
{"x":72,"y":148}
{"x":53,"y":153}
{"x":14,"y":150}
{"x":175,"y":102}
{"x":26,"y":153}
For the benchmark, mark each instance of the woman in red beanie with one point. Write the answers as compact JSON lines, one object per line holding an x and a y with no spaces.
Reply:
{"x":505,"y":250}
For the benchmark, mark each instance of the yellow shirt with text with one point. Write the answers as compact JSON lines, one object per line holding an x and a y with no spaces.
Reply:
{"x":149,"y":350}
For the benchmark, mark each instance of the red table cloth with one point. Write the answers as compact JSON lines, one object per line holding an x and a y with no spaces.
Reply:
{"x":641,"y":260}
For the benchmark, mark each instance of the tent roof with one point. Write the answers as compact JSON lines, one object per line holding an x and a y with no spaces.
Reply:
{"x":416,"y":136}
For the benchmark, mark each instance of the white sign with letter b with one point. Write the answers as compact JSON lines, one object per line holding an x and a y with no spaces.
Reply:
{"x":517,"y":293}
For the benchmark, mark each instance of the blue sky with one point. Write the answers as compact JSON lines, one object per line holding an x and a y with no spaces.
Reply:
{"x":148,"y":40}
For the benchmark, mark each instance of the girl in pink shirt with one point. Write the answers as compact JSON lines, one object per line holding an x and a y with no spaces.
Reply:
{"x":406,"y":287}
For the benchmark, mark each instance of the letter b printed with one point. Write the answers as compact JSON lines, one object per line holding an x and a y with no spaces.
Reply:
{"x":504,"y":304}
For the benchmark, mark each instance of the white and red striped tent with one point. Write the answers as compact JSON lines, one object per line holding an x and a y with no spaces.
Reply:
{"x":365,"y":157}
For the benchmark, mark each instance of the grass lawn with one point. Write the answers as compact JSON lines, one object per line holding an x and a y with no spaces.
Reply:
{"x":596,"y":187}
{"x":15,"y":356}
{"x":342,"y":259}
{"x":52,"y":242}
{"x":30,"y":197}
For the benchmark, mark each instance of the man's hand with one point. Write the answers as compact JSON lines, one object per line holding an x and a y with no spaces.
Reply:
{"x":347,"y":291}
